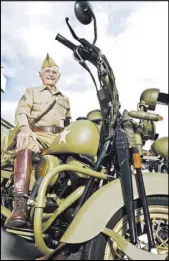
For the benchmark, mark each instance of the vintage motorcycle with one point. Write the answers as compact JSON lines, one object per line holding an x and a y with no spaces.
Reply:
{"x":89,"y":199}
{"x":156,"y":158}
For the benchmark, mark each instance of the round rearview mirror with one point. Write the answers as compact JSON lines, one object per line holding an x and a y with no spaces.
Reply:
{"x":83,"y":12}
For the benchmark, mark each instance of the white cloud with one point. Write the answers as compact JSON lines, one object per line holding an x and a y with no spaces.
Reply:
{"x":81,"y":104}
{"x":38,"y":8}
{"x":141,"y":51}
{"x":39,"y":44}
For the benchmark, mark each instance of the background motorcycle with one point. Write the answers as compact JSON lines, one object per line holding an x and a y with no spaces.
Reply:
{"x":156,"y":158}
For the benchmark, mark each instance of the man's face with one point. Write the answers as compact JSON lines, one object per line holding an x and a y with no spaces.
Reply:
{"x":50,"y":75}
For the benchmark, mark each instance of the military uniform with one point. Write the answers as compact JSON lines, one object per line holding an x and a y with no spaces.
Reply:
{"x":44,"y":112}
{"x":34,"y":102}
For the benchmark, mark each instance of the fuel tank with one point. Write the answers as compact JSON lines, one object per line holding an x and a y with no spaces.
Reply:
{"x":80,"y":137}
{"x":160,"y":146}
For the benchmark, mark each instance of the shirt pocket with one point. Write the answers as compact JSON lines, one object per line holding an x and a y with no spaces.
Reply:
{"x":40,"y":105}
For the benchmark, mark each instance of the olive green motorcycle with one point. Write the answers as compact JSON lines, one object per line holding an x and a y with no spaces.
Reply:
{"x":88,"y":198}
{"x":156,"y":158}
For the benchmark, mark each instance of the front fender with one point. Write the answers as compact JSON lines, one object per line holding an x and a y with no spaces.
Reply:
{"x":104,"y":203}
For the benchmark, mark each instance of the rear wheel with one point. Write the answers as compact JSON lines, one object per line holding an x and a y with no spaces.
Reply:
{"x":103,"y":248}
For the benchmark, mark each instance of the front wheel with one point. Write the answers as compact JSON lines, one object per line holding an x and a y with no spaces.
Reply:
{"x":103,"y":248}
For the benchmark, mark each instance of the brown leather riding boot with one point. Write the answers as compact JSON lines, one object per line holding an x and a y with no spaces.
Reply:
{"x":23,"y":168}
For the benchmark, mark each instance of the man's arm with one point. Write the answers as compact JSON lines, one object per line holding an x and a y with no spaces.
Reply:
{"x":67,"y":121}
{"x":23,"y":110}
{"x":22,"y":115}
{"x":68,"y":117}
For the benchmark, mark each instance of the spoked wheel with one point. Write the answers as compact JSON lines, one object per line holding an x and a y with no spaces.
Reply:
{"x":102,"y":248}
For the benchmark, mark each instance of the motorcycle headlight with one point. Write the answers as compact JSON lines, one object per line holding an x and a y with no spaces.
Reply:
{"x":149,"y":98}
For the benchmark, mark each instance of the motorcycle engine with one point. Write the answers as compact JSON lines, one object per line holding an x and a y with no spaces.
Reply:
{"x":72,"y":161}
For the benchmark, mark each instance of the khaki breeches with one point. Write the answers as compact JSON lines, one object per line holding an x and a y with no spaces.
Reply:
{"x":42,"y":142}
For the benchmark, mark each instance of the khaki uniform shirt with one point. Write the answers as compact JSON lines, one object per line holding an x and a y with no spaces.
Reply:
{"x":35,"y":101}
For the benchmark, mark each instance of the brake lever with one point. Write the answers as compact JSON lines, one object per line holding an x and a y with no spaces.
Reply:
{"x":71,"y":29}
{"x":78,"y":58}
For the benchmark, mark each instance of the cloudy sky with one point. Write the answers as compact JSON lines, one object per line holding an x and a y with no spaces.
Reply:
{"x":133,"y":36}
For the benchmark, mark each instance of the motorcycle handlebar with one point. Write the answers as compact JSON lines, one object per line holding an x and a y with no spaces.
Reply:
{"x":85,"y":50}
{"x":65,"y":42}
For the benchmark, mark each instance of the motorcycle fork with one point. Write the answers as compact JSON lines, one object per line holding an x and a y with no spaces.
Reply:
{"x":142,"y":195}
{"x":123,"y":155}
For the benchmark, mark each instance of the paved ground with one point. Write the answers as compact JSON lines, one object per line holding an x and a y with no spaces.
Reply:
{"x":15,"y":248}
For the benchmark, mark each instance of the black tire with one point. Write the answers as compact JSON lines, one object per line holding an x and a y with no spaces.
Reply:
{"x":95,"y":249}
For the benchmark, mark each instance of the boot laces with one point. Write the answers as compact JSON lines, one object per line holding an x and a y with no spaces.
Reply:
{"x":19,"y":202}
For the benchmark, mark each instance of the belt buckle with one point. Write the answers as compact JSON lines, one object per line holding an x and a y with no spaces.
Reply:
{"x":55,"y":129}
{"x":52,"y":129}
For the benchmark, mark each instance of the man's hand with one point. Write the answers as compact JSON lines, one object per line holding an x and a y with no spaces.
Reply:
{"x":23,"y":138}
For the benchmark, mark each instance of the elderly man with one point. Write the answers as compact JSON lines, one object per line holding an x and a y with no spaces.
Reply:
{"x":41,"y":113}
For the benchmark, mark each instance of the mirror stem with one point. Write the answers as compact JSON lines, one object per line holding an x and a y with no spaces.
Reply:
{"x":95,"y":29}
{"x":95,"y":24}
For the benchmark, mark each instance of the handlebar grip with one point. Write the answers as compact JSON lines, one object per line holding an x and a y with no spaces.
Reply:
{"x":65,"y":42}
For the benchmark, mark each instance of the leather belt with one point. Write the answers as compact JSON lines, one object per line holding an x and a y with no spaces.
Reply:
{"x":53,"y":129}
